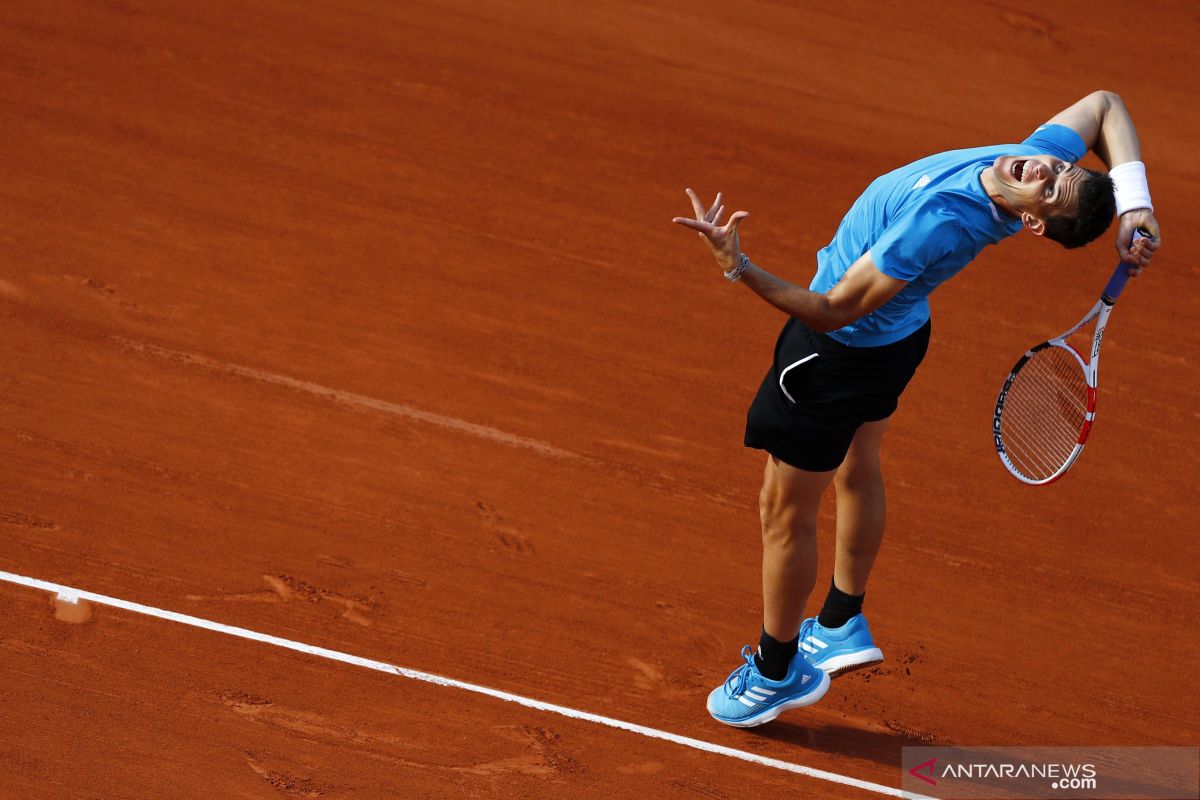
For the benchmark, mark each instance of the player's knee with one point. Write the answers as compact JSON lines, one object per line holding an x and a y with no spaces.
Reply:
{"x":783,"y":519}
{"x":859,"y":473}
{"x":770,"y":503}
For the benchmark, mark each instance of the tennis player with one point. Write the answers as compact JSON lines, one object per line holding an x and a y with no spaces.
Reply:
{"x":852,"y":342}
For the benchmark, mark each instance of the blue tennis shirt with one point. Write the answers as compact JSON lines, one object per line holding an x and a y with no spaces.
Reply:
{"x":923,"y":223}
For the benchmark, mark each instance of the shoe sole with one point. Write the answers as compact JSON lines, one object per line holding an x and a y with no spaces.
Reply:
{"x":769,"y":714}
{"x":840,"y":665}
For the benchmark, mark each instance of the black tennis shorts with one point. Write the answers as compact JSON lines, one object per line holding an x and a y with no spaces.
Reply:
{"x":819,"y":391}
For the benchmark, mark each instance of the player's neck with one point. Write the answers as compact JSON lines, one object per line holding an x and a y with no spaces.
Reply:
{"x":992,"y":188}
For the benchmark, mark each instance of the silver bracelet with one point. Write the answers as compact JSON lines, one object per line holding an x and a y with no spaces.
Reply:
{"x":735,"y":274}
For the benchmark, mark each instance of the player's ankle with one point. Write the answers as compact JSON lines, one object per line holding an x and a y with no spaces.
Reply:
{"x":774,"y":657}
{"x":839,"y":607}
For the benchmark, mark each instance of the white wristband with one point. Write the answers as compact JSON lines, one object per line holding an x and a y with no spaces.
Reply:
{"x":1129,"y":180}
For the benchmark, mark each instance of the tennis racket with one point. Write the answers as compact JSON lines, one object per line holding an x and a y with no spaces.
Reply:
{"x":1048,"y":402}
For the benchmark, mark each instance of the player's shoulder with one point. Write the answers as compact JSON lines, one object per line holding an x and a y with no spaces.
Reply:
{"x":1057,"y":140}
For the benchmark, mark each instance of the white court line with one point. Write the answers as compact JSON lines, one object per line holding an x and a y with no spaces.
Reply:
{"x":72,"y":595}
{"x":375,"y":404}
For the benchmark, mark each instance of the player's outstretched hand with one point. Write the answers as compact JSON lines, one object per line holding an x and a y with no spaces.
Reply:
{"x":1139,"y":254}
{"x":721,"y":238}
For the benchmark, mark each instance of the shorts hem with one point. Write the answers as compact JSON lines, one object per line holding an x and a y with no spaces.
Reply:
{"x":801,"y":461}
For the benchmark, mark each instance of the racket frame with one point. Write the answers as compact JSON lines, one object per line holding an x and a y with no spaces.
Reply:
{"x":1100,"y":312}
{"x":1090,"y":370}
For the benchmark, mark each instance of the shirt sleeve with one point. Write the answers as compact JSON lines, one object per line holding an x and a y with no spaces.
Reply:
{"x":1059,"y":141}
{"x":919,"y":238}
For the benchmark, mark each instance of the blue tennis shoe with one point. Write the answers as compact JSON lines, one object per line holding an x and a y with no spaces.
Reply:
{"x":839,"y":650}
{"x":747,"y":698}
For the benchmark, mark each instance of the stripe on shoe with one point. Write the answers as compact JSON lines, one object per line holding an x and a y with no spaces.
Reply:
{"x":808,"y":648}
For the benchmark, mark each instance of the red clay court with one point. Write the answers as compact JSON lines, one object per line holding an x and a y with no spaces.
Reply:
{"x":364,"y":325}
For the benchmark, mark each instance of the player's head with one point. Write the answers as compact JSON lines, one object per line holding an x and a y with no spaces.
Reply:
{"x":1093,"y":212}
{"x":1057,"y":199}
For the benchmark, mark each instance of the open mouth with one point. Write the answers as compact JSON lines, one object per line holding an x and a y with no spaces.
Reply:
{"x":1018,"y":169}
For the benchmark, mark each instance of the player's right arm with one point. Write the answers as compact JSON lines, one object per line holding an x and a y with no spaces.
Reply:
{"x":1106,"y":127}
{"x":1104,"y":124}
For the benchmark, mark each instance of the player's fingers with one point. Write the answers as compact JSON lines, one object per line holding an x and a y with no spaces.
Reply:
{"x":712,"y":214}
{"x":696,"y":206}
{"x":695,"y":224}
{"x":735,"y":221}
{"x":716,"y":217}
{"x":1143,"y":250}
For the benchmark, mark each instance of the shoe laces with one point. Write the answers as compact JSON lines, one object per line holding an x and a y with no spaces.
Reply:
{"x":735,"y":684}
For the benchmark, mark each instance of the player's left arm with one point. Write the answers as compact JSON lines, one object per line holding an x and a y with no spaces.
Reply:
{"x":861,"y":290}
{"x":1106,"y":127}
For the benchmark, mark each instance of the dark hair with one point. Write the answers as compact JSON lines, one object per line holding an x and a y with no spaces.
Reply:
{"x":1092,"y":217}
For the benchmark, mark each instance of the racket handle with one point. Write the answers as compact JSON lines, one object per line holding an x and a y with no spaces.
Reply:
{"x":1120,"y":275}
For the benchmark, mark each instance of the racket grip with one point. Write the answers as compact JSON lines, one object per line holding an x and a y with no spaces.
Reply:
{"x":1120,"y":276}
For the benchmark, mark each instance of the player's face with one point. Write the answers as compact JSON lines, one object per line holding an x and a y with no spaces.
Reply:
{"x":1042,"y":185}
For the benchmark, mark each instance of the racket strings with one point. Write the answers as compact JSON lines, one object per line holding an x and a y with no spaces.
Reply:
{"x":1044,"y":413}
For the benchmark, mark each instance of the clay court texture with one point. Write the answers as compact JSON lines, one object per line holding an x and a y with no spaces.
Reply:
{"x":364,"y":325}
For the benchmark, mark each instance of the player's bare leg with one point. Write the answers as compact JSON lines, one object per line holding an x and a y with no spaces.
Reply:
{"x":860,"y":509}
{"x":838,"y":639}
{"x":788,"y":506}
{"x":777,"y":678}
